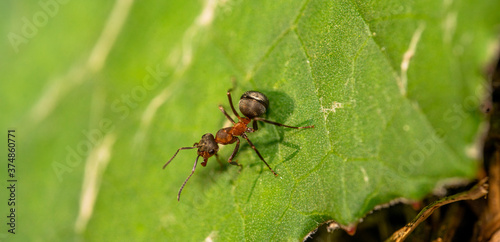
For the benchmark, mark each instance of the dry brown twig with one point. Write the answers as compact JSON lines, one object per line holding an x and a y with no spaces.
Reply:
{"x":490,"y":219}
{"x":479,"y":190}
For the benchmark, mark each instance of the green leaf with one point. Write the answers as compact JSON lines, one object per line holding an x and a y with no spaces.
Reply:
{"x":101,"y":95}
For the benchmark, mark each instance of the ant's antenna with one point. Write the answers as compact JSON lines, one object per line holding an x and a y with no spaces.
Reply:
{"x":183,"y":184}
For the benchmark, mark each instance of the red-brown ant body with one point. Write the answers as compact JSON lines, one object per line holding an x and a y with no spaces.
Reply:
{"x":252,"y":105}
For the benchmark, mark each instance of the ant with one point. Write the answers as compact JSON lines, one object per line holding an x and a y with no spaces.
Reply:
{"x":252,"y":105}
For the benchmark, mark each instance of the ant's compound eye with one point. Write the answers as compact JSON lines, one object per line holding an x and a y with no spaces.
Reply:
{"x":253,"y":104}
{"x":211,"y":151}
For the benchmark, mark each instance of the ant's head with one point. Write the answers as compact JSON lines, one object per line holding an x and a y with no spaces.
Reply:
{"x":207,"y":147}
{"x":253,"y":104}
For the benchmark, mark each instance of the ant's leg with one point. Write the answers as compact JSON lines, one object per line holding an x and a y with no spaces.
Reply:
{"x":218,"y":160}
{"x":183,"y":148}
{"x":260,"y":156}
{"x":231,"y":103}
{"x":255,"y":127}
{"x":278,"y":124}
{"x":236,"y":148}
{"x":225,"y":114}
{"x":183,"y":184}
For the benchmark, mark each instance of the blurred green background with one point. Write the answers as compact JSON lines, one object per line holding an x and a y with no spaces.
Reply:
{"x":102,"y":94}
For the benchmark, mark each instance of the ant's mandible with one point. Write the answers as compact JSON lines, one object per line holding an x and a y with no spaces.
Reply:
{"x":207,"y":147}
{"x":252,"y":105}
